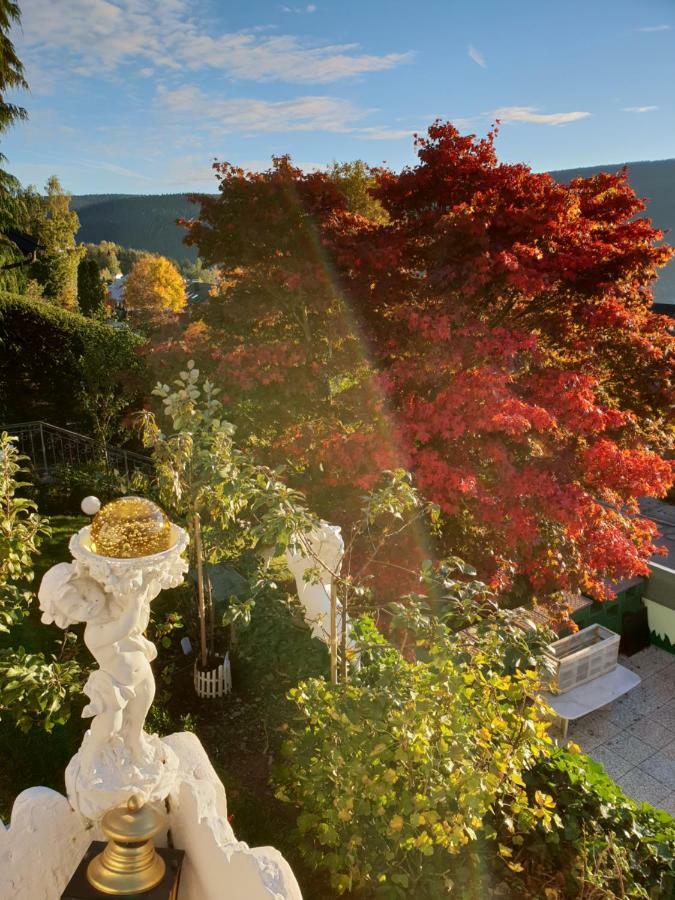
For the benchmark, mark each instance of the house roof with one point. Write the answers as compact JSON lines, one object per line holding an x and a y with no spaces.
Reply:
{"x":198,"y":291}
{"x":663,"y":515}
{"x":24,"y":242}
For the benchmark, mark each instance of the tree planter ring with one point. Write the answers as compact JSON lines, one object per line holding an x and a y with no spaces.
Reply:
{"x":216,"y":680}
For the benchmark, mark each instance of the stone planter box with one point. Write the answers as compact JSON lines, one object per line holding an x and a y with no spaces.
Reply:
{"x":583,"y":656}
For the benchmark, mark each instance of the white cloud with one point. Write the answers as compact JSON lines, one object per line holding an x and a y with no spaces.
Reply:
{"x":97,"y":37}
{"x":248,"y":116}
{"x":189,"y":170}
{"x":530,"y":114}
{"x":262,"y":165}
{"x":477,"y":56}
{"x":639,"y":109}
{"x":310,"y":8}
{"x":193,"y":172}
{"x":113,"y":169}
{"x":648,"y":29}
{"x":281,"y":57}
{"x":376,"y":133}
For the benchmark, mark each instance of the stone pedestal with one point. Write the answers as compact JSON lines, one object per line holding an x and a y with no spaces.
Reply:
{"x":46,"y":840}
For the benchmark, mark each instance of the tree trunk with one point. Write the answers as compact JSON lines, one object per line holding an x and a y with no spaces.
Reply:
{"x":212,"y":617}
{"x":200,"y":589}
{"x":343,"y":640}
{"x":333,"y":633}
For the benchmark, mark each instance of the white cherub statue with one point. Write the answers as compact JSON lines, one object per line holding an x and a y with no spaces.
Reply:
{"x":122,"y":689}
{"x":314,"y":566}
{"x":112,"y":597}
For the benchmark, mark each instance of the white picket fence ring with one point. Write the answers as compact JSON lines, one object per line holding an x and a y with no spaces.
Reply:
{"x":216,"y":682}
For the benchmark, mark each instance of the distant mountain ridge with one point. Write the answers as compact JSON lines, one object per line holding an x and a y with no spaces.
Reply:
{"x":148,"y":222}
{"x":141,"y":221}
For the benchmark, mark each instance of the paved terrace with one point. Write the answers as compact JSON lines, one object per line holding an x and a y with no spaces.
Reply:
{"x":634,"y":737}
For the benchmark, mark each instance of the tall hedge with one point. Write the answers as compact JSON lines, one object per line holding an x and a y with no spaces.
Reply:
{"x":43,"y":355}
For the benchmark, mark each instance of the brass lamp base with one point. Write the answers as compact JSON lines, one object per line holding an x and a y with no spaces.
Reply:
{"x":129,"y":864}
{"x":126,"y":869}
{"x":80,"y":888}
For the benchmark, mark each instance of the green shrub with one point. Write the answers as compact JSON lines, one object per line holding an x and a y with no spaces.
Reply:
{"x":434,"y":774}
{"x":62,"y":494}
{"x":622,"y":848}
{"x":275,"y":650}
{"x":34,"y":687}
{"x":398,"y":773}
{"x":52,"y":359}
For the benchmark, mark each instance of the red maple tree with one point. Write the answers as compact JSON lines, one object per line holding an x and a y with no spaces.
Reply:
{"x":494,"y":334}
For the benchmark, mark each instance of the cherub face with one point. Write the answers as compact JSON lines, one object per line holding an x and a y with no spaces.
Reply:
{"x":66,"y":598}
{"x":83,"y":599}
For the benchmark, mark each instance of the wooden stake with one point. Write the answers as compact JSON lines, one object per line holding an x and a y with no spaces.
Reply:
{"x":200,"y":588}
{"x":333,"y":633}
{"x":212,"y":617}
{"x":343,"y":640}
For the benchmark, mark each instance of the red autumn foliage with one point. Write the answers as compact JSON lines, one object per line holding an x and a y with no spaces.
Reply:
{"x":495,"y":335}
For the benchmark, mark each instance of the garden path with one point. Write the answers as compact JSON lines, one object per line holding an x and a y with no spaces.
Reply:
{"x":634,"y":737}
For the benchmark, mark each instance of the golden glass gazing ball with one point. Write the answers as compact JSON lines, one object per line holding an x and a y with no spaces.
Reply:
{"x":129,"y":528}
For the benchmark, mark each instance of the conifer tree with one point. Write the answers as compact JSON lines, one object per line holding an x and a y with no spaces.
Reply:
{"x":91,"y":291}
{"x":55,"y":225}
{"x":11,"y":67}
{"x":11,"y":78}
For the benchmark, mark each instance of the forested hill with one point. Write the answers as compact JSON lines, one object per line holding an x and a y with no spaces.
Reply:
{"x":144,"y":222}
{"x":655,"y":182}
{"x":148,"y":222}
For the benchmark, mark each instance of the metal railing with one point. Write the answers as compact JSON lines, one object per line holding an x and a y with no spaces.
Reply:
{"x":49,"y":446}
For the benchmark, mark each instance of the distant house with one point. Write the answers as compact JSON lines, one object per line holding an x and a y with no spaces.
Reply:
{"x":665,"y":309}
{"x":198,"y":291}
{"x":659,"y":592}
{"x":116,"y":293}
{"x":625,"y":614}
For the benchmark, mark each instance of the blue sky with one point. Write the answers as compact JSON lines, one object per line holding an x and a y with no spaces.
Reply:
{"x":139,"y":96}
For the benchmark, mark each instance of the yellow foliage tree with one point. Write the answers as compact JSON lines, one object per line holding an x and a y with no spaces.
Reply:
{"x":154,"y":285}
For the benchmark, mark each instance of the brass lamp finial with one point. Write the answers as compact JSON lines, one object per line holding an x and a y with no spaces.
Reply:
{"x":129,"y":863}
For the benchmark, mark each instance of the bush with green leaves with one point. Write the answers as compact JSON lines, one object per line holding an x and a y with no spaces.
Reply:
{"x":608,"y":846}
{"x":68,"y":484}
{"x":65,"y":368}
{"x":246,"y":513}
{"x":399,"y":772}
{"x":431,"y":772}
{"x":34,"y":688}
